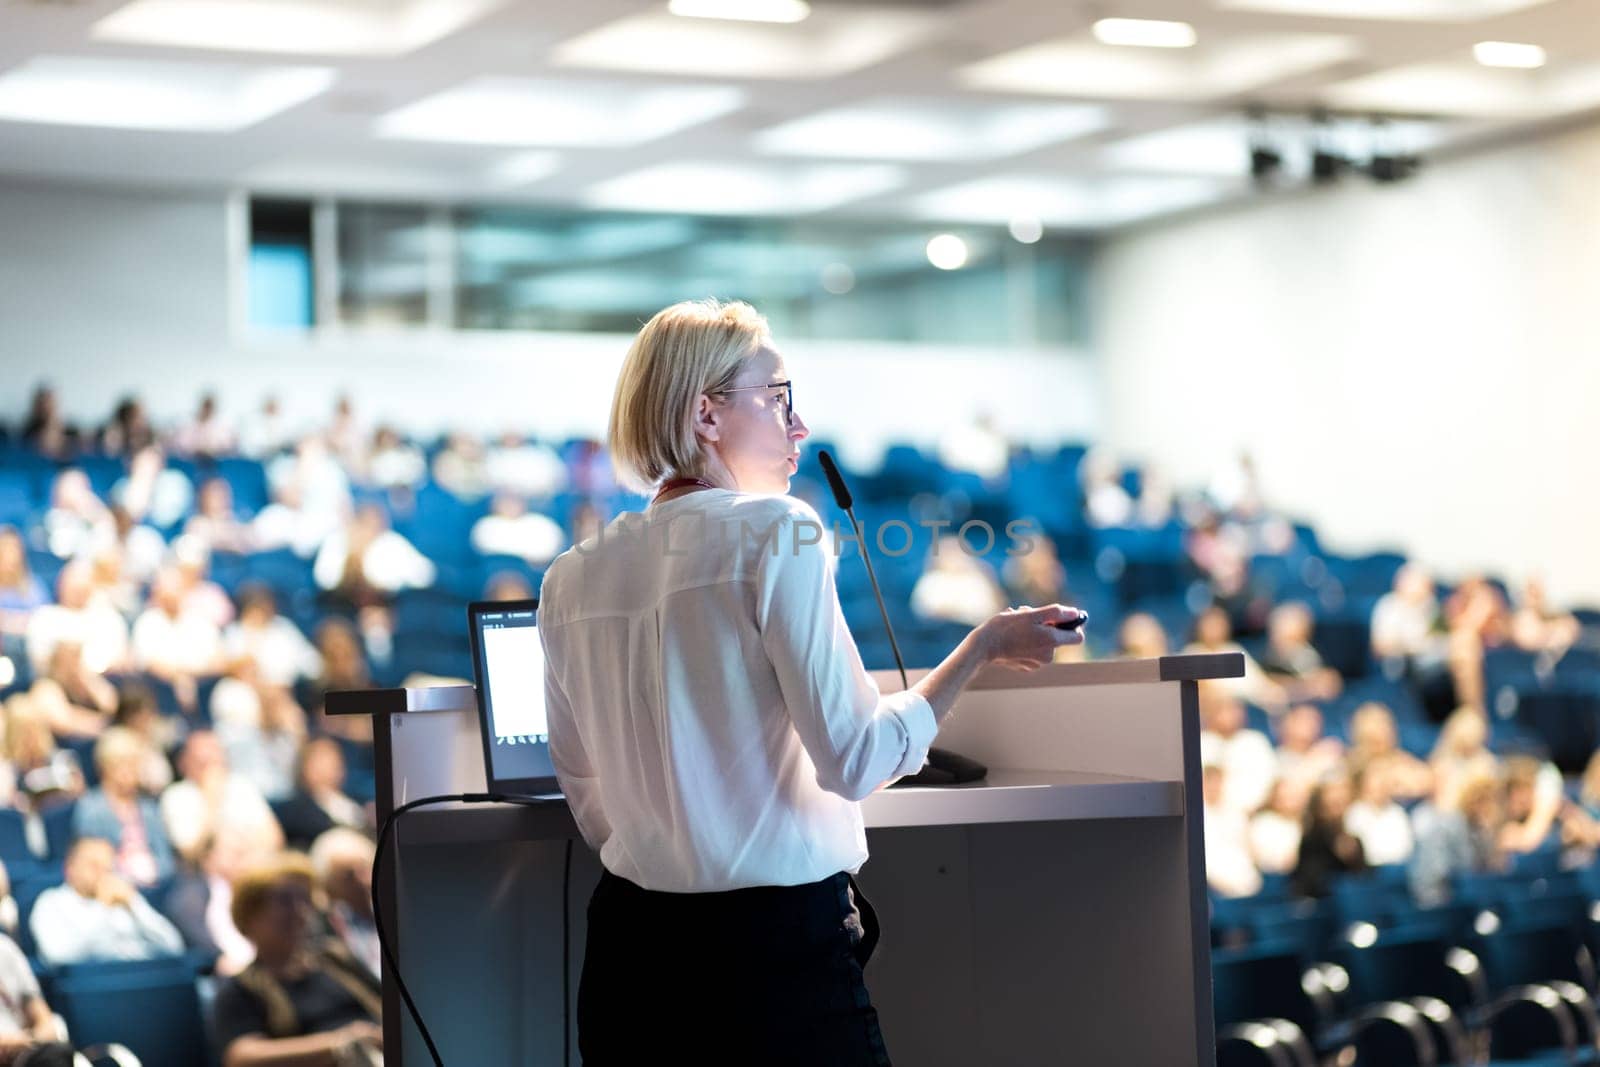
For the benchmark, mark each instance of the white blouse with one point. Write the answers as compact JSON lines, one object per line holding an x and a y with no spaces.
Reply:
{"x":711,"y":722}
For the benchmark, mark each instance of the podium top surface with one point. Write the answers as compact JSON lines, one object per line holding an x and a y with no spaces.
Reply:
{"x":1103,"y":672}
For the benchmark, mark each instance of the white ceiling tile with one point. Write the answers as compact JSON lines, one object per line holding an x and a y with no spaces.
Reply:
{"x":533,"y":111}
{"x":147,"y":94}
{"x":907,"y":128}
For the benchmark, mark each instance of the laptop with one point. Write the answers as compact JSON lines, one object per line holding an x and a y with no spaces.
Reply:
{"x":508,"y":670}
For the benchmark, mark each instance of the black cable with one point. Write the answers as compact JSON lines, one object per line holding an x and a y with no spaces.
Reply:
{"x":377,"y":910}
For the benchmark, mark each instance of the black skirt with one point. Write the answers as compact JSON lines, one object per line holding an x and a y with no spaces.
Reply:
{"x":770,"y":975}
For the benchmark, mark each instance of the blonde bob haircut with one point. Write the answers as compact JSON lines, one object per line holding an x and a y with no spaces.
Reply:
{"x":685,"y":350}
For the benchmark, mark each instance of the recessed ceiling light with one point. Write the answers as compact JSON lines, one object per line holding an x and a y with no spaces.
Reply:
{"x":303,"y":27}
{"x":741,"y":188}
{"x":912,"y":128}
{"x":1026,"y":229}
{"x":144,"y":94}
{"x":1145,"y":33}
{"x":947,"y":252}
{"x":1508,"y":54}
{"x":532,"y":111}
{"x":742,"y":10}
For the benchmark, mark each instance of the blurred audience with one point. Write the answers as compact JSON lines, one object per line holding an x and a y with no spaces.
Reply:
{"x":120,"y":813}
{"x":98,"y":915}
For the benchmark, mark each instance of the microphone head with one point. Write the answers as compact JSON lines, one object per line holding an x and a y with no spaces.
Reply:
{"x":841,"y":492}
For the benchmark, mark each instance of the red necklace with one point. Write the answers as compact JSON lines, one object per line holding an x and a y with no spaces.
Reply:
{"x":679,"y":483}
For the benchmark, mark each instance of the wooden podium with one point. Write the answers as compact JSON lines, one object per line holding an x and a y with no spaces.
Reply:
{"x":1052,"y":914}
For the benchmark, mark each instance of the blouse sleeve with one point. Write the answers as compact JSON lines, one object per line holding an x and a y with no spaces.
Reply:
{"x":857,"y":738}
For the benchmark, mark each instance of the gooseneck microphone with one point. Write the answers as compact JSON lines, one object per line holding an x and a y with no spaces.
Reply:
{"x":841,"y":496}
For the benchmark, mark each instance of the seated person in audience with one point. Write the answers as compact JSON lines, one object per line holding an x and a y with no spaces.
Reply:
{"x":119,"y":813}
{"x":80,"y":617}
{"x":978,"y":447}
{"x":128,"y":429}
{"x":209,"y":799}
{"x":77,"y":518}
{"x":138,"y":712}
{"x":1156,"y":503}
{"x":154,"y":492}
{"x":1457,"y":832}
{"x":1536,"y":626}
{"x":21,"y":591}
{"x":461,"y":468}
{"x":304,"y":1002}
{"x":526,"y":468}
{"x":344,"y":666}
{"x":285,"y":524}
{"x":1374,"y":738}
{"x":201,"y":596}
{"x":1276,"y":829}
{"x":140,"y":548}
{"x":1305,"y":755}
{"x":1105,"y":501}
{"x":1245,"y":754}
{"x":319,"y":803}
{"x":1230,"y":866}
{"x":510,"y":529}
{"x":1220,"y":550}
{"x":1580,"y":822}
{"x":44,"y":774}
{"x":1141,"y":636}
{"x":342,"y":859}
{"x":508,"y":585}
{"x":315,"y":491}
{"x":267,"y":432}
{"x":1383,"y":826}
{"x":367,"y":563}
{"x":215,"y":523}
{"x":77,"y":701}
{"x":391,"y":463}
{"x":44,"y":430}
{"x":346,"y":433}
{"x":1291,"y":661}
{"x":176,"y":646}
{"x":110,"y":581}
{"x":585,"y":522}
{"x":1462,"y":751}
{"x":201,"y":899}
{"x":1410,"y":638}
{"x":1327,"y":847}
{"x":1477,"y":618}
{"x":1534,"y":797}
{"x":97,"y":915}
{"x":1036,"y":576}
{"x":261,"y":729}
{"x":956,"y":586}
{"x":27,"y":1025}
{"x":10,"y":913}
{"x":280,"y":652}
{"x":207,"y":435}
{"x":1213,"y":632}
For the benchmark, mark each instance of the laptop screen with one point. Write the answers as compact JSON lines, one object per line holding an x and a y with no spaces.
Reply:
{"x":509,"y":667}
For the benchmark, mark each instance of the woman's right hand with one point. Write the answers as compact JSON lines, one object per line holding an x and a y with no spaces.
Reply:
{"x":1025,"y":638}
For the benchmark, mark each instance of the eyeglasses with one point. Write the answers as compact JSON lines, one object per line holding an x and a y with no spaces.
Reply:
{"x":788,"y":396}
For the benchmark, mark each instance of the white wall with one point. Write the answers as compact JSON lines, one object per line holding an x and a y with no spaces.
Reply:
{"x":104,"y":292}
{"x":1415,"y":365}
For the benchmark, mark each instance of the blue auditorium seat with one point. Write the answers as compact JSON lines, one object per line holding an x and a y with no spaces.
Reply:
{"x":152,"y":1007}
{"x":247,"y":478}
{"x":57,"y":821}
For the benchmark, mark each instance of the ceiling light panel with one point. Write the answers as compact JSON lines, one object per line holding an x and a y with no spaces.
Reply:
{"x":1467,"y":89}
{"x":153,"y":94}
{"x":781,"y":11}
{"x":1144,"y":33}
{"x":737,"y":188}
{"x":300,"y":27}
{"x":529,"y":111}
{"x":1079,"y":203}
{"x":1387,"y":10}
{"x":923,"y":129}
{"x":831,"y":42}
{"x":1080,"y":67}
